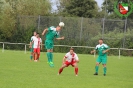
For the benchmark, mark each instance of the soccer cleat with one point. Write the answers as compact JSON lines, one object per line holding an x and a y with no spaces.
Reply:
{"x":35,"y":60}
{"x":104,"y":74}
{"x":76,"y":75}
{"x":58,"y":74}
{"x":96,"y":74}
{"x":51,"y":64}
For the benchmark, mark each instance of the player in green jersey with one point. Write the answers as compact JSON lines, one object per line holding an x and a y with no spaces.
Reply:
{"x":51,"y":33}
{"x":102,"y":56}
{"x":31,"y":45}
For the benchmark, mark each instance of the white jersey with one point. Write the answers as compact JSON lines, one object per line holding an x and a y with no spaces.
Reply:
{"x":72,"y":57}
{"x":36,"y":42}
{"x":32,"y":38}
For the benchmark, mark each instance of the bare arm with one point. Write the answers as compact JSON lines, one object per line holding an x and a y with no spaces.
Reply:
{"x":61,"y":38}
{"x":105,"y":51}
{"x":31,"y":44}
{"x":63,"y":61}
{"x":93,"y":51}
{"x":44,"y":31}
{"x":41,"y":45}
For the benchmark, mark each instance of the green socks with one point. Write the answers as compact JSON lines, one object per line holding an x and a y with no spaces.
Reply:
{"x":104,"y":70}
{"x":31,"y":57}
{"x":96,"y":68}
{"x":51,"y":56}
{"x":48,"y":56}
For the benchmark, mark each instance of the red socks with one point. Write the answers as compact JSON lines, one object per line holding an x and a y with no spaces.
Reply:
{"x":60,"y":70}
{"x":76,"y":71}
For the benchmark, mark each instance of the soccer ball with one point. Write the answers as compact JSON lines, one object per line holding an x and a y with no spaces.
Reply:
{"x":61,"y":24}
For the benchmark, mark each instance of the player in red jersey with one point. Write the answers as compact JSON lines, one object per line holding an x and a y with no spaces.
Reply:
{"x":37,"y":43}
{"x":72,"y":59}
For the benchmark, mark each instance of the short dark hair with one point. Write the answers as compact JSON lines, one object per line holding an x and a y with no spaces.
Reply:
{"x":72,"y":48}
{"x":37,"y":33}
{"x":101,"y":39}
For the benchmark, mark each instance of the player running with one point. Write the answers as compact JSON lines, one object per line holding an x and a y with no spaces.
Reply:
{"x":51,"y":33}
{"x":72,"y":59}
{"x":31,"y":45}
{"x":102,"y":58}
{"x":37,"y":43}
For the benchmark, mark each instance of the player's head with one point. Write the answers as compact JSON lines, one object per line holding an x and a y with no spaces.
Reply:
{"x":71,"y":50}
{"x":100,"y":41}
{"x":34,"y":33}
{"x":37,"y":35}
{"x":58,"y":28}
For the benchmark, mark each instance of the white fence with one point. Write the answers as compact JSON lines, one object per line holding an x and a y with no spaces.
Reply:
{"x":25,"y":49}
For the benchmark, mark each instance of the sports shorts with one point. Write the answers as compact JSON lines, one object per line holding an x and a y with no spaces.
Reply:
{"x":37,"y":50}
{"x":102,"y":59}
{"x":70,"y":63}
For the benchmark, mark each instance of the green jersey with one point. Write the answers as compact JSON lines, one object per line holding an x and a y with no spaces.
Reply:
{"x":101,"y":48}
{"x":51,"y":34}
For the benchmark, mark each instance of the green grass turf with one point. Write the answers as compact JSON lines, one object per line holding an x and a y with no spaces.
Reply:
{"x":16,"y":71}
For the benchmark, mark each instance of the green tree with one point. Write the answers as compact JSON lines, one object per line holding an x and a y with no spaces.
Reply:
{"x":11,"y":9}
{"x":84,"y":8}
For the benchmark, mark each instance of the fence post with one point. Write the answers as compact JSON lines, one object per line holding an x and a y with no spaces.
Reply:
{"x":119,"y":53}
{"x":38,"y":23}
{"x":125,"y":32}
{"x":94,"y":54}
{"x":60,"y":18}
{"x":25,"y":49}
{"x":3,"y":47}
{"x":103,"y":28}
{"x":81,"y":28}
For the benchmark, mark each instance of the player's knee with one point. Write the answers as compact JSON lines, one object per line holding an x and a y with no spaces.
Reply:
{"x":75,"y":65}
{"x":97,"y":64}
{"x":104,"y":65}
{"x":63,"y":66}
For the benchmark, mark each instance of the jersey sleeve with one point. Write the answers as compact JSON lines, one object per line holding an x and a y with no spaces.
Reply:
{"x":96,"y":48}
{"x":52,"y":28}
{"x":76,"y":57}
{"x":106,"y":46}
{"x":31,"y":39}
{"x":66,"y":56}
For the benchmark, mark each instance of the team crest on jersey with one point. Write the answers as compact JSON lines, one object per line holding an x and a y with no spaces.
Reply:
{"x":122,"y":8}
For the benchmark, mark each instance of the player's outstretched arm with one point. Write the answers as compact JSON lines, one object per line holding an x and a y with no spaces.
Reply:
{"x":93,"y":51}
{"x":44,"y":31}
{"x":61,"y":38}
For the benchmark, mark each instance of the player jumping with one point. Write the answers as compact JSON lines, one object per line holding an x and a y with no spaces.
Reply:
{"x":51,"y":33}
{"x":102,"y":49}
{"x":70,"y":58}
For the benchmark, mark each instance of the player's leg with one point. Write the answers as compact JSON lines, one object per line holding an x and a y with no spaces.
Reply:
{"x":104,"y":61}
{"x":31,"y":55}
{"x":47,"y":46}
{"x":51,"y":52}
{"x":50,"y":57}
{"x":97,"y":65}
{"x":104,"y":69}
{"x":38,"y":54}
{"x":35,"y":53}
{"x":66,"y":64}
{"x":76,"y":68}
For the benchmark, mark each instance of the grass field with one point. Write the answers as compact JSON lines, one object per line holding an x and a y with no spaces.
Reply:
{"x":16,"y":71}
